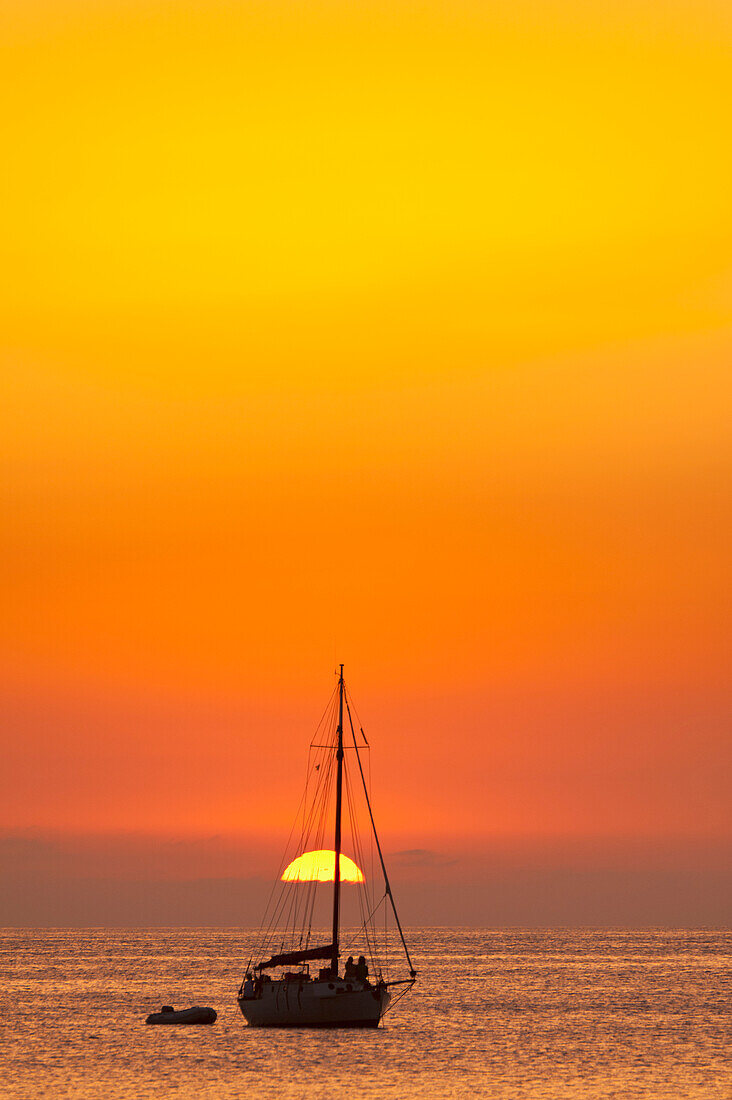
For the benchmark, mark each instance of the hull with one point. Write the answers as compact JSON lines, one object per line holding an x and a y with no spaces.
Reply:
{"x":314,"y":1004}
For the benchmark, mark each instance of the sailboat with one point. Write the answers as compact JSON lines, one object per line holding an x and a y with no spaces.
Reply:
{"x":280,"y":990}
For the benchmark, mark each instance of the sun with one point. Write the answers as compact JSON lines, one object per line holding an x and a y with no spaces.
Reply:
{"x":319,"y":866}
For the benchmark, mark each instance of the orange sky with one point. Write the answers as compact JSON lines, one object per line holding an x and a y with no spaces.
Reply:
{"x":395,"y":334}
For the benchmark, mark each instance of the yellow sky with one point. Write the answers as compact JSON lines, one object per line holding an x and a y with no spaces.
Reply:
{"x":360,"y":189}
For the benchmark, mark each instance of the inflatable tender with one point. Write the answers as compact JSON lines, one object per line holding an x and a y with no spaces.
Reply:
{"x":195,"y":1015}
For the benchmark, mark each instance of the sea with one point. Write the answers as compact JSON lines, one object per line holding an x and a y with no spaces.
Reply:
{"x":507,"y":1014}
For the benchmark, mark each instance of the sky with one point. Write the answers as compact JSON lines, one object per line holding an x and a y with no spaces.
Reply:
{"x":394,"y":334}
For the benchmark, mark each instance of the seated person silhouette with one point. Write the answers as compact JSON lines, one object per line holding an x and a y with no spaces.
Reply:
{"x":350,"y":969}
{"x":362,"y":970}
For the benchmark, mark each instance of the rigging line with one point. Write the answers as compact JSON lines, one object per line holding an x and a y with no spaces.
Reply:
{"x":298,"y":891}
{"x":362,"y":892}
{"x":320,"y":808}
{"x":319,"y":800}
{"x":371,"y":835}
{"x":365,"y":895}
{"x":386,"y":941}
{"x":311,"y":899}
{"x":397,"y":999}
{"x":281,"y":906}
{"x":328,"y":706}
{"x":311,"y":888}
{"x":371,"y":915}
{"x":275,"y":915}
{"x":325,"y":767}
{"x":312,"y":894}
{"x":360,"y":725}
{"x":363,"y":888}
{"x":313,"y":885}
{"x":369,"y":932}
{"x":274,"y":885}
{"x":356,"y":838}
{"x":280,"y":919}
{"x":320,"y":822}
{"x":322,"y":791}
{"x":308,"y":770}
{"x":365,"y":899}
{"x":378,"y":845}
{"x":314,"y":764}
{"x":293,"y":903}
{"x":277,"y":918}
{"x":372,"y":832}
{"x":290,"y":912}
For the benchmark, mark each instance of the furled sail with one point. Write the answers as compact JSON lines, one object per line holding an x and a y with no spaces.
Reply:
{"x":293,"y":958}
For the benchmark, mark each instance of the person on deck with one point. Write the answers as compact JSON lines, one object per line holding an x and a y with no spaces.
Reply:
{"x":362,"y":970}
{"x":350,"y":969}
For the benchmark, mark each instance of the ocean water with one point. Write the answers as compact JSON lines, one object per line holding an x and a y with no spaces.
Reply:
{"x":511,"y":1015}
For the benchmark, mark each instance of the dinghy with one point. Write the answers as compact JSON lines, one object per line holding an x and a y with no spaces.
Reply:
{"x":194,"y":1015}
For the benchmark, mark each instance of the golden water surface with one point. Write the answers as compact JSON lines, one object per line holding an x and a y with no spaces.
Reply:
{"x":510,"y":1015}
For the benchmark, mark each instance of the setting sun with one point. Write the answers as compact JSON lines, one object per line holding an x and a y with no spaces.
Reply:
{"x":320,"y":867}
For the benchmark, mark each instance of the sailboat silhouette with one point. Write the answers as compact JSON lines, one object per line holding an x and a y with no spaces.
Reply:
{"x":358,"y":997}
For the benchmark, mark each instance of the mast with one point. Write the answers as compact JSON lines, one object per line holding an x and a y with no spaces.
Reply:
{"x":339,"y":800}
